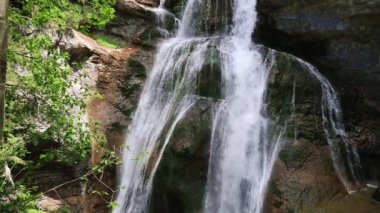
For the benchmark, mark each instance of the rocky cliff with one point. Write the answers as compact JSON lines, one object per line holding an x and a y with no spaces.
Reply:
{"x":342,"y":39}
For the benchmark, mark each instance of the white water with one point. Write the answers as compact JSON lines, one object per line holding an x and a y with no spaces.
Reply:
{"x":167,"y":95}
{"x":242,"y":152}
{"x":242,"y":156}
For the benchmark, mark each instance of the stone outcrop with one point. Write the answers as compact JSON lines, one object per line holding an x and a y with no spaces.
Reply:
{"x":180,"y":181}
{"x":341,"y":38}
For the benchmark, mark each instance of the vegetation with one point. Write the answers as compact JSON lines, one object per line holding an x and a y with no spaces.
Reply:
{"x":40,"y":106}
{"x":108,"y":41}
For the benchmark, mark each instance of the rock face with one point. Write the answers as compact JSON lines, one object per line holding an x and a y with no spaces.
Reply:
{"x":376,"y":195}
{"x":117,"y":75}
{"x":342,"y":39}
{"x":181,"y":178}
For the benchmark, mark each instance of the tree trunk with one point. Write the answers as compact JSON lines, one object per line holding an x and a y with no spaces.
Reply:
{"x":3,"y":62}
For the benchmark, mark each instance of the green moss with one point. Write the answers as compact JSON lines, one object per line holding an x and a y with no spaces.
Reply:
{"x":277,"y":203}
{"x":181,"y":177}
{"x":178,"y":8}
{"x":273,"y":188}
{"x":210,"y":79}
{"x":108,"y":41}
{"x":137,"y":68}
{"x":127,"y":112}
{"x":284,"y":156}
{"x":150,"y":37}
{"x":34,"y":211}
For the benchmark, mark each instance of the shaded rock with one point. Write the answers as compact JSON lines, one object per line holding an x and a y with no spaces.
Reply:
{"x":376,"y":195}
{"x":340,"y":37}
{"x":304,"y":175}
{"x":303,"y":178}
{"x":135,"y":30}
{"x":180,"y":181}
{"x":210,"y":77}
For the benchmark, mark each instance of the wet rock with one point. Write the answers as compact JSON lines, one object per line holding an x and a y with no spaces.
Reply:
{"x":304,"y":174}
{"x":180,"y":181}
{"x":210,"y":77}
{"x":136,"y":30}
{"x":376,"y":195}
{"x":339,"y":37}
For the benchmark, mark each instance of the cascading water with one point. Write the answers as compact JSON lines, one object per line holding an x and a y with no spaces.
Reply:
{"x":168,"y":94}
{"x":166,"y":97}
{"x":242,"y":157}
{"x":243,"y":145}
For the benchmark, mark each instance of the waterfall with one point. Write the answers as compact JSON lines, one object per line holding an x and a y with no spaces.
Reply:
{"x":243,"y":145}
{"x":167,"y":95}
{"x":242,"y":157}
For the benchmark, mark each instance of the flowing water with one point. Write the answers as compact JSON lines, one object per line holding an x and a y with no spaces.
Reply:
{"x":166,"y":97}
{"x":243,"y":151}
{"x":242,"y":157}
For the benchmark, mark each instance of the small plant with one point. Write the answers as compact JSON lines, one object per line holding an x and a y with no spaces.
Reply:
{"x":108,"y":41}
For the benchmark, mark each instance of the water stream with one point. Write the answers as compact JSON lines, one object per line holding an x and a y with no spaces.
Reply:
{"x":242,"y":150}
{"x":242,"y":157}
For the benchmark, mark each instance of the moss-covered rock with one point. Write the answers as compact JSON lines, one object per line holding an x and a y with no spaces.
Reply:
{"x":209,"y":81}
{"x":180,"y":181}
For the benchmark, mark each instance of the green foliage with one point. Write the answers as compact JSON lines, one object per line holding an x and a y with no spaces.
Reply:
{"x":107,"y":41}
{"x":113,"y":205}
{"x":15,"y":198}
{"x":277,"y":203}
{"x":40,"y":106}
{"x":34,"y":211}
{"x":84,"y":15}
{"x":64,"y":210}
{"x":273,"y":188}
{"x":12,"y":151}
